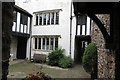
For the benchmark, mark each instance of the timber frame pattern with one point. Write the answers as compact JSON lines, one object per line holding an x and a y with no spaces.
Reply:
{"x":112,"y":40}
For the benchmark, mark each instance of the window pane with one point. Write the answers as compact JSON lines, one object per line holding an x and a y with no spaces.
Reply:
{"x":44,"y":19}
{"x":36,"y":19}
{"x":47,"y":46}
{"x":25,"y":20}
{"x":39,"y":43}
{"x":35,"y":43}
{"x":52,"y":18}
{"x":51,"y":45}
{"x":48,"y":18}
{"x":40,"y":23}
{"x":57,"y":18}
{"x":21,"y":18}
{"x":43,"y":44}
{"x":14,"y":16}
{"x":56,"y":43}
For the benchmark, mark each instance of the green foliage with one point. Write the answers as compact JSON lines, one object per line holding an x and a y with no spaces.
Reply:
{"x":55,"y":56}
{"x":66,"y":62}
{"x":89,"y":59}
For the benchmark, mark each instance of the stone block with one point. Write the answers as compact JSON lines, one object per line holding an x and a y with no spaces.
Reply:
{"x":39,"y":58}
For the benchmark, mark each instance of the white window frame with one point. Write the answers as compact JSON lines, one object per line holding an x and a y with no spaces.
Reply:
{"x":45,"y":13}
{"x":49,"y":46}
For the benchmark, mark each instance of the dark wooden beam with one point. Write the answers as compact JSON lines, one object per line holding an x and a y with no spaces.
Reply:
{"x":19,"y":34}
{"x":84,"y":37}
{"x":80,"y":29}
{"x":90,"y":25}
{"x":18,"y":9}
{"x":7,"y":23}
{"x":27,"y":27}
{"x":93,"y":7}
{"x":76,"y":26}
{"x":85,"y":29}
{"x":101,"y":27}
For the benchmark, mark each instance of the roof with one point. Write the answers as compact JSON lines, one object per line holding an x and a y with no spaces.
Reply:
{"x":94,"y":7}
{"x":95,"y":0}
{"x":47,"y":11}
{"x":17,"y":8}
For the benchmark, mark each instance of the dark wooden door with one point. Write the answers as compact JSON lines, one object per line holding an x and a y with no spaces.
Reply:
{"x":21,"y":48}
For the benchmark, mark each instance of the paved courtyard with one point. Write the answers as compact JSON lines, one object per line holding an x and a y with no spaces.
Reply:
{"x":20,"y":70}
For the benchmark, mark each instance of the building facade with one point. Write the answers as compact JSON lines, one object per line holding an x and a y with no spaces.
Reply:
{"x":54,"y":26}
{"x":50,"y":25}
{"x":21,"y":33}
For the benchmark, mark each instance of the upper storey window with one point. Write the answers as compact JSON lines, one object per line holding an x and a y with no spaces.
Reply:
{"x":36,"y":19}
{"x":40,"y":19}
{"x":52,"y":18}
{"x":57,"y":18}
{"x":49,"y":17}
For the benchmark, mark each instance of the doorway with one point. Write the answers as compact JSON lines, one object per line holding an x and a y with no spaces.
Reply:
{"x":21,"y":48}
{"x":80,"y":43}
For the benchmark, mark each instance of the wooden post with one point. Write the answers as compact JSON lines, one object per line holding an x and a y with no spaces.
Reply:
{"x":7,"y":22}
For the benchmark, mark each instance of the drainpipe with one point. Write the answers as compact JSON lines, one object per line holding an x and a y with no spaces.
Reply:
{"x":70,"y":27}
{"x":30,"y":36}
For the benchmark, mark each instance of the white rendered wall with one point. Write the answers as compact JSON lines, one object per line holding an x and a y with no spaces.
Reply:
{"x":28,"y":49}
{"x":13,"y":47}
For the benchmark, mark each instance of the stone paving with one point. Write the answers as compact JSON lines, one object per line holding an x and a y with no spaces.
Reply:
{"x":16,"y":61}
{"x":20,"y":70}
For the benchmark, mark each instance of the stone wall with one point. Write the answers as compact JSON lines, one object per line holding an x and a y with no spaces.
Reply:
{"x":106,"y":58}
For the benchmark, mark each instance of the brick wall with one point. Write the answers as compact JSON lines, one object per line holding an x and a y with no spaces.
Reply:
{"x":106,"y":57}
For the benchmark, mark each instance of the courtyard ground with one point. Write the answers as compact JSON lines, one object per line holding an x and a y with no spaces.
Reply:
{"x":23,"y":68}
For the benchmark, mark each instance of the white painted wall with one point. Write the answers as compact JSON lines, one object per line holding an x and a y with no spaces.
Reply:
{"x":13,"y":47}
{"x":28,"y":49}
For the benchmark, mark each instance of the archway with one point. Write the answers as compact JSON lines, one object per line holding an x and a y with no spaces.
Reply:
{"x":80,"y":43}
{"x":112,"y":40}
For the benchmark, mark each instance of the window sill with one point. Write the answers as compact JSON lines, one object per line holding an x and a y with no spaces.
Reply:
{"x":47,"y":25}
{"x":42,"y":50}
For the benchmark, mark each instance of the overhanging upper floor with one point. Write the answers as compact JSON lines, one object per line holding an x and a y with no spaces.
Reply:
{"x":22,"y":22}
